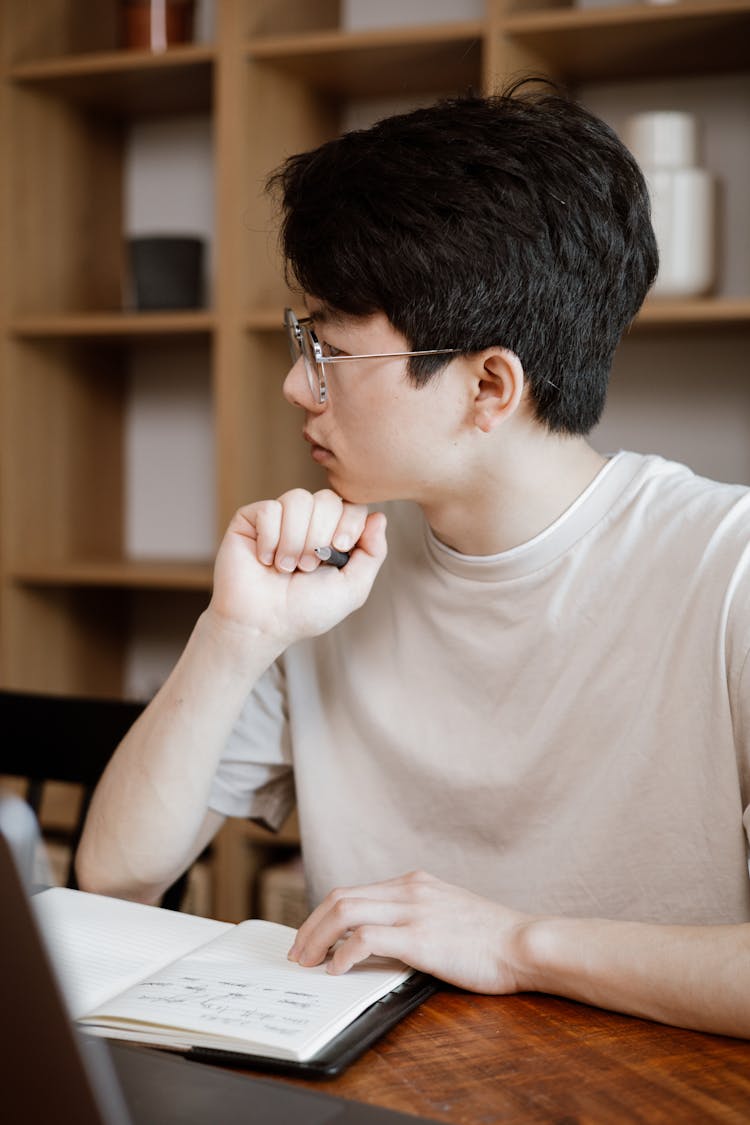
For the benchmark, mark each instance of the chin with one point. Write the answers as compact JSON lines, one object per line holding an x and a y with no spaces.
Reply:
{"x":359,"y":492}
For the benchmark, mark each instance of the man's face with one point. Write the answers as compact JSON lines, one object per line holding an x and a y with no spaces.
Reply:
{"x":378,"y":436}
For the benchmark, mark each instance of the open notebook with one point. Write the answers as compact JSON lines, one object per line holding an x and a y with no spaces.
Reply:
{"x":193,"y":984}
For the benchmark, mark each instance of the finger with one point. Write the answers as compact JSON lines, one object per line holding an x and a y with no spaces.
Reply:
{"x":366,"y":558}
{"x":297,"y":507}
{"x":348,"y":914}
{"x":267,"y":520}
{"x":326,"y":514}
{"x":373,"y":941}
{"x":372,"y":542}
{"x":312,"y":922}
{"x":398,"y":890}
{"x":351,"y":525}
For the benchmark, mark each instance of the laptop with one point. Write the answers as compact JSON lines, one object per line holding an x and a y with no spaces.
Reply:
{"x":49,"y":1070}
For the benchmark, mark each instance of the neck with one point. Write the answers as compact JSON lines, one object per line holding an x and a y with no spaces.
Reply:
{"x":517,"y":497}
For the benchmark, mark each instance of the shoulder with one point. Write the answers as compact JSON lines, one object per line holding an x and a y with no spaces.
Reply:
{"x":696,"y":532}
{"x":672,"y":479}
{"x":673,"y":504}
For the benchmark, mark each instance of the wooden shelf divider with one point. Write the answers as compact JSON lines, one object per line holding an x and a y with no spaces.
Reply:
{"x":372,"y":63}
{"x":636,"y":40}
{"x":705,"y":312}
{"x":117,"y":325}
{"x":160,"y":574}
{"x":127,"y":83}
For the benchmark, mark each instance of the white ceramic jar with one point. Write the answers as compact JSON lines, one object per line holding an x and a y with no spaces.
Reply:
{"x":665,"y":144}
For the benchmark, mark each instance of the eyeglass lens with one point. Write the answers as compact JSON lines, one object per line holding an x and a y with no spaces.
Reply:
{"x":300,"y":344}
{"x":293,"y":335}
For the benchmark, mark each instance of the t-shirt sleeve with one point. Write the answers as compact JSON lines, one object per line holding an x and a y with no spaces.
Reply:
{"x":738,"y":674}
{"x":254,"y":778}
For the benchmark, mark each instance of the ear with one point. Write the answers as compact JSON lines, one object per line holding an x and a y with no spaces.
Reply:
{"x":499,"y":387}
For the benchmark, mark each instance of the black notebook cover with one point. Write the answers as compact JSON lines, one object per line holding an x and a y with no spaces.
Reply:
{"x":347,"y":1046}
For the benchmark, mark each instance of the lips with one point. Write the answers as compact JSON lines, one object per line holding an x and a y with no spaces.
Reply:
{"x":314,"y":442}
{"x":318,"y":452}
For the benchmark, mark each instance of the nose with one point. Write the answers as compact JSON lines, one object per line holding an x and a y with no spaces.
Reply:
{"x":297,"y":389}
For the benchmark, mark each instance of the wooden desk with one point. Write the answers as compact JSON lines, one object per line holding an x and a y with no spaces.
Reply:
{"x":476,"y":1060}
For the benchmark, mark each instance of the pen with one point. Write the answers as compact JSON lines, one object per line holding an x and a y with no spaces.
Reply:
{"x":332,"y":557}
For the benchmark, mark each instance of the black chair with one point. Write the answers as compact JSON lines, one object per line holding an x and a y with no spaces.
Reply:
{"x":66,"y":738}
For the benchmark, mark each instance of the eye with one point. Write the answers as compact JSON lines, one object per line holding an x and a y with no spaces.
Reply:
{"x":329,"y":350}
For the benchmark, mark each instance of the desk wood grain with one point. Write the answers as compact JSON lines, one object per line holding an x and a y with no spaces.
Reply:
{"x":476,"y":1060}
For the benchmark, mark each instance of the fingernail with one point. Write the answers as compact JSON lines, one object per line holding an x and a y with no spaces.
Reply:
{"x":307,"y":564}
{"x":342,"y":542}
{"x":288,"y":565}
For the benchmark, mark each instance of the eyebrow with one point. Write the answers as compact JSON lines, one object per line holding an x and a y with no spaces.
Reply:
{"x":325,"y":314}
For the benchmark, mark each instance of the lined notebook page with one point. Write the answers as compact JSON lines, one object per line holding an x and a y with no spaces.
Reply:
{"x":241,"y":986}
{"x":101,"y":946}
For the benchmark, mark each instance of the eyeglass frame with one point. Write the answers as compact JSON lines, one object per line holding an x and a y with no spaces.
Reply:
{"x":299,"y":328}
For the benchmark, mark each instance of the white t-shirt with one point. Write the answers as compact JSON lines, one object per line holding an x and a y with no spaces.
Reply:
{"x":563,"y":727}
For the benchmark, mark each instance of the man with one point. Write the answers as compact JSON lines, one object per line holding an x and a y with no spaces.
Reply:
{"x":520,"y":740}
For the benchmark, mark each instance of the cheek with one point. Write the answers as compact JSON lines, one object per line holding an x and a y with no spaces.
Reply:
{"x":374,"y":445}
{"x":395,"y":426}
{"x":366,"y":425}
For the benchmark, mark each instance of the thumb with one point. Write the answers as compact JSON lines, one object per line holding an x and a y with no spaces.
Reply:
{"x":368,"y":555}
{"x":372,"y":540}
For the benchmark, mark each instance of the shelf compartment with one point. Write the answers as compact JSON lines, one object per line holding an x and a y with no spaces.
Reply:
{"x":113,"y":325}
{"x":116,"y":574}
{"x":442,"y":57}
{"x":636,"y":40}
{"x":127,"y":84}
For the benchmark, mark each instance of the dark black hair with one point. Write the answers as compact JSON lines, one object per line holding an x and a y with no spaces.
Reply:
{"x":518,"y":220}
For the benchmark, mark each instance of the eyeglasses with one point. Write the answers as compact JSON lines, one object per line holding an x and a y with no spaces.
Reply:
{"x":303,"y":342}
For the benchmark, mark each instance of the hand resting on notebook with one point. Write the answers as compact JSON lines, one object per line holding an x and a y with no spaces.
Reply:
{"x":690,"y":976}
{"x":456,"y":935}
